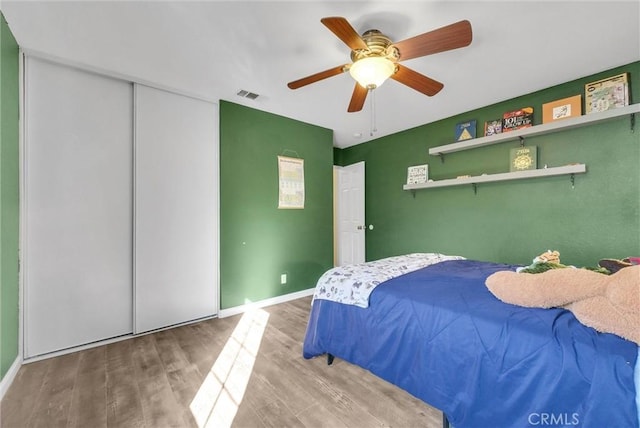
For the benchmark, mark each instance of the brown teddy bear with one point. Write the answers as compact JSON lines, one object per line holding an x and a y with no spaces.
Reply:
{"x":608,"y":303}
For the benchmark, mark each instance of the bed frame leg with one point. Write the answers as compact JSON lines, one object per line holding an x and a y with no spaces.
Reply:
{"x":330,"y":359}
{"x":445,"y":421}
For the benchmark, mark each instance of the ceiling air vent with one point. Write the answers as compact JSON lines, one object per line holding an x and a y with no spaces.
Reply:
{"x":247,"y":94}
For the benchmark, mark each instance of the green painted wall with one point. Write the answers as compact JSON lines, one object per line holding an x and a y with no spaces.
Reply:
{"x":9,"y":197}
{"x":258,"y":241}
{"x":509,"y":221}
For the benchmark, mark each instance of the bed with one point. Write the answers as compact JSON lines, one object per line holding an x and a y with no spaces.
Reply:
{"x":436,"y":331}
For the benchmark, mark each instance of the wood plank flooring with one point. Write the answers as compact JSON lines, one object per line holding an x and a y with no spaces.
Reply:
{"x":233,"y":371}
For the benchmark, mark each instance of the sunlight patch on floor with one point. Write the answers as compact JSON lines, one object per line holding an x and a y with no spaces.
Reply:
{"x":217,"y":400}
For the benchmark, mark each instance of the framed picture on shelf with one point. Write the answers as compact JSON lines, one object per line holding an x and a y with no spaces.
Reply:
{"x":607,"y":94}
{"x":417,"y":174}
{"x":562,"y":109}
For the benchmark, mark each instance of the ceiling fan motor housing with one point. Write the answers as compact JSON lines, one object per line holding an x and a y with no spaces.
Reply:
{"x":378,"y":45}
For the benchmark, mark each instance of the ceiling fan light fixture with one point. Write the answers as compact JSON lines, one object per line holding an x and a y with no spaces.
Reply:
{"x":371,"y":72}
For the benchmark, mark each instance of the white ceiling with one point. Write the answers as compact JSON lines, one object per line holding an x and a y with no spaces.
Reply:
{"x":213,"y":49}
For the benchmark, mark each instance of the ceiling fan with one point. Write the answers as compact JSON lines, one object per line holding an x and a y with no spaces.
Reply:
{"x":375,"y":58}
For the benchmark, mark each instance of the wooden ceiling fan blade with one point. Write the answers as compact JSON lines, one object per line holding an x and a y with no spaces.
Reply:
{"x":357,"y":99}
{"x":453,"y":36}
{"x":345,"y":32}
{"x":417,"y":81}
{"x":317,"y":77}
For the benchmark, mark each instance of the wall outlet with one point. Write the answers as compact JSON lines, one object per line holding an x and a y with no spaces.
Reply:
{"x":283,"y":279}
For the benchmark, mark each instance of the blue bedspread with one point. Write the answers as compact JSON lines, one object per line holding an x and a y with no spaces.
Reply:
{"x":441,"y":335}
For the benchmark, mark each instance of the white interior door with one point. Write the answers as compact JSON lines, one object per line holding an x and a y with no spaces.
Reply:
{"x":350,"y":226}
{"x":176,"y":211}
{"x":77,"y":208}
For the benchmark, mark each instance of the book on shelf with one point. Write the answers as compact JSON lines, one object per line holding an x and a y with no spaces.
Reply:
{"x":523,"y":158}
{"x":417,"y":174}
{"x":516,"y":119}
{"x":607,"y":94}
{"x":562,"y":109}
{"x":466,"y":130}
{"x":492,"y":127}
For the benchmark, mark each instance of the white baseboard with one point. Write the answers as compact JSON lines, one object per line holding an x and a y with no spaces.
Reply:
{"x":263,"y":303}
{"x":8,"y":378}
{"x":106,"y":342}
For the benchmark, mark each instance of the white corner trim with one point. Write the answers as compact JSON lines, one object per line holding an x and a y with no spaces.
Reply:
{"x":8,"y":378}
{"x":263,"y":303}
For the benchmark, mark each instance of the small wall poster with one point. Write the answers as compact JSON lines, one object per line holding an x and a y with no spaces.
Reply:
{"x":523,"y":158}
{"x":291,"y":183}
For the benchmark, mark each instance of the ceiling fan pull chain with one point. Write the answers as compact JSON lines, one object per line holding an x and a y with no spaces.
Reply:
{"x":372,"y":95}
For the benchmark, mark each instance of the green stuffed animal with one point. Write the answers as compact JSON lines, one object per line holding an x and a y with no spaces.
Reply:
{"x":551,"y":260}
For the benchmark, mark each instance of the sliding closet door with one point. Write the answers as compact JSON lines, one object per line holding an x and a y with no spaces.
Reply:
{"x":176,"y":220}
{"x":77,"y":191}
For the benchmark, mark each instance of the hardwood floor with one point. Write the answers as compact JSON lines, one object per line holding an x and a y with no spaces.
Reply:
{"x":243,"y":371}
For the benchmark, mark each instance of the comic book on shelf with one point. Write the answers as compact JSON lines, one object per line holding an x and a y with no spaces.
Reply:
{"x":522,"y":118}
{"x":492,"y":127}
{"x":607,"y":94}
{"x":466,"y":130}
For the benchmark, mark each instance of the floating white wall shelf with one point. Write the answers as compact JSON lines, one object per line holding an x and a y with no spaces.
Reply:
{"x":545,"y":128}
{"x":532,"y":173}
